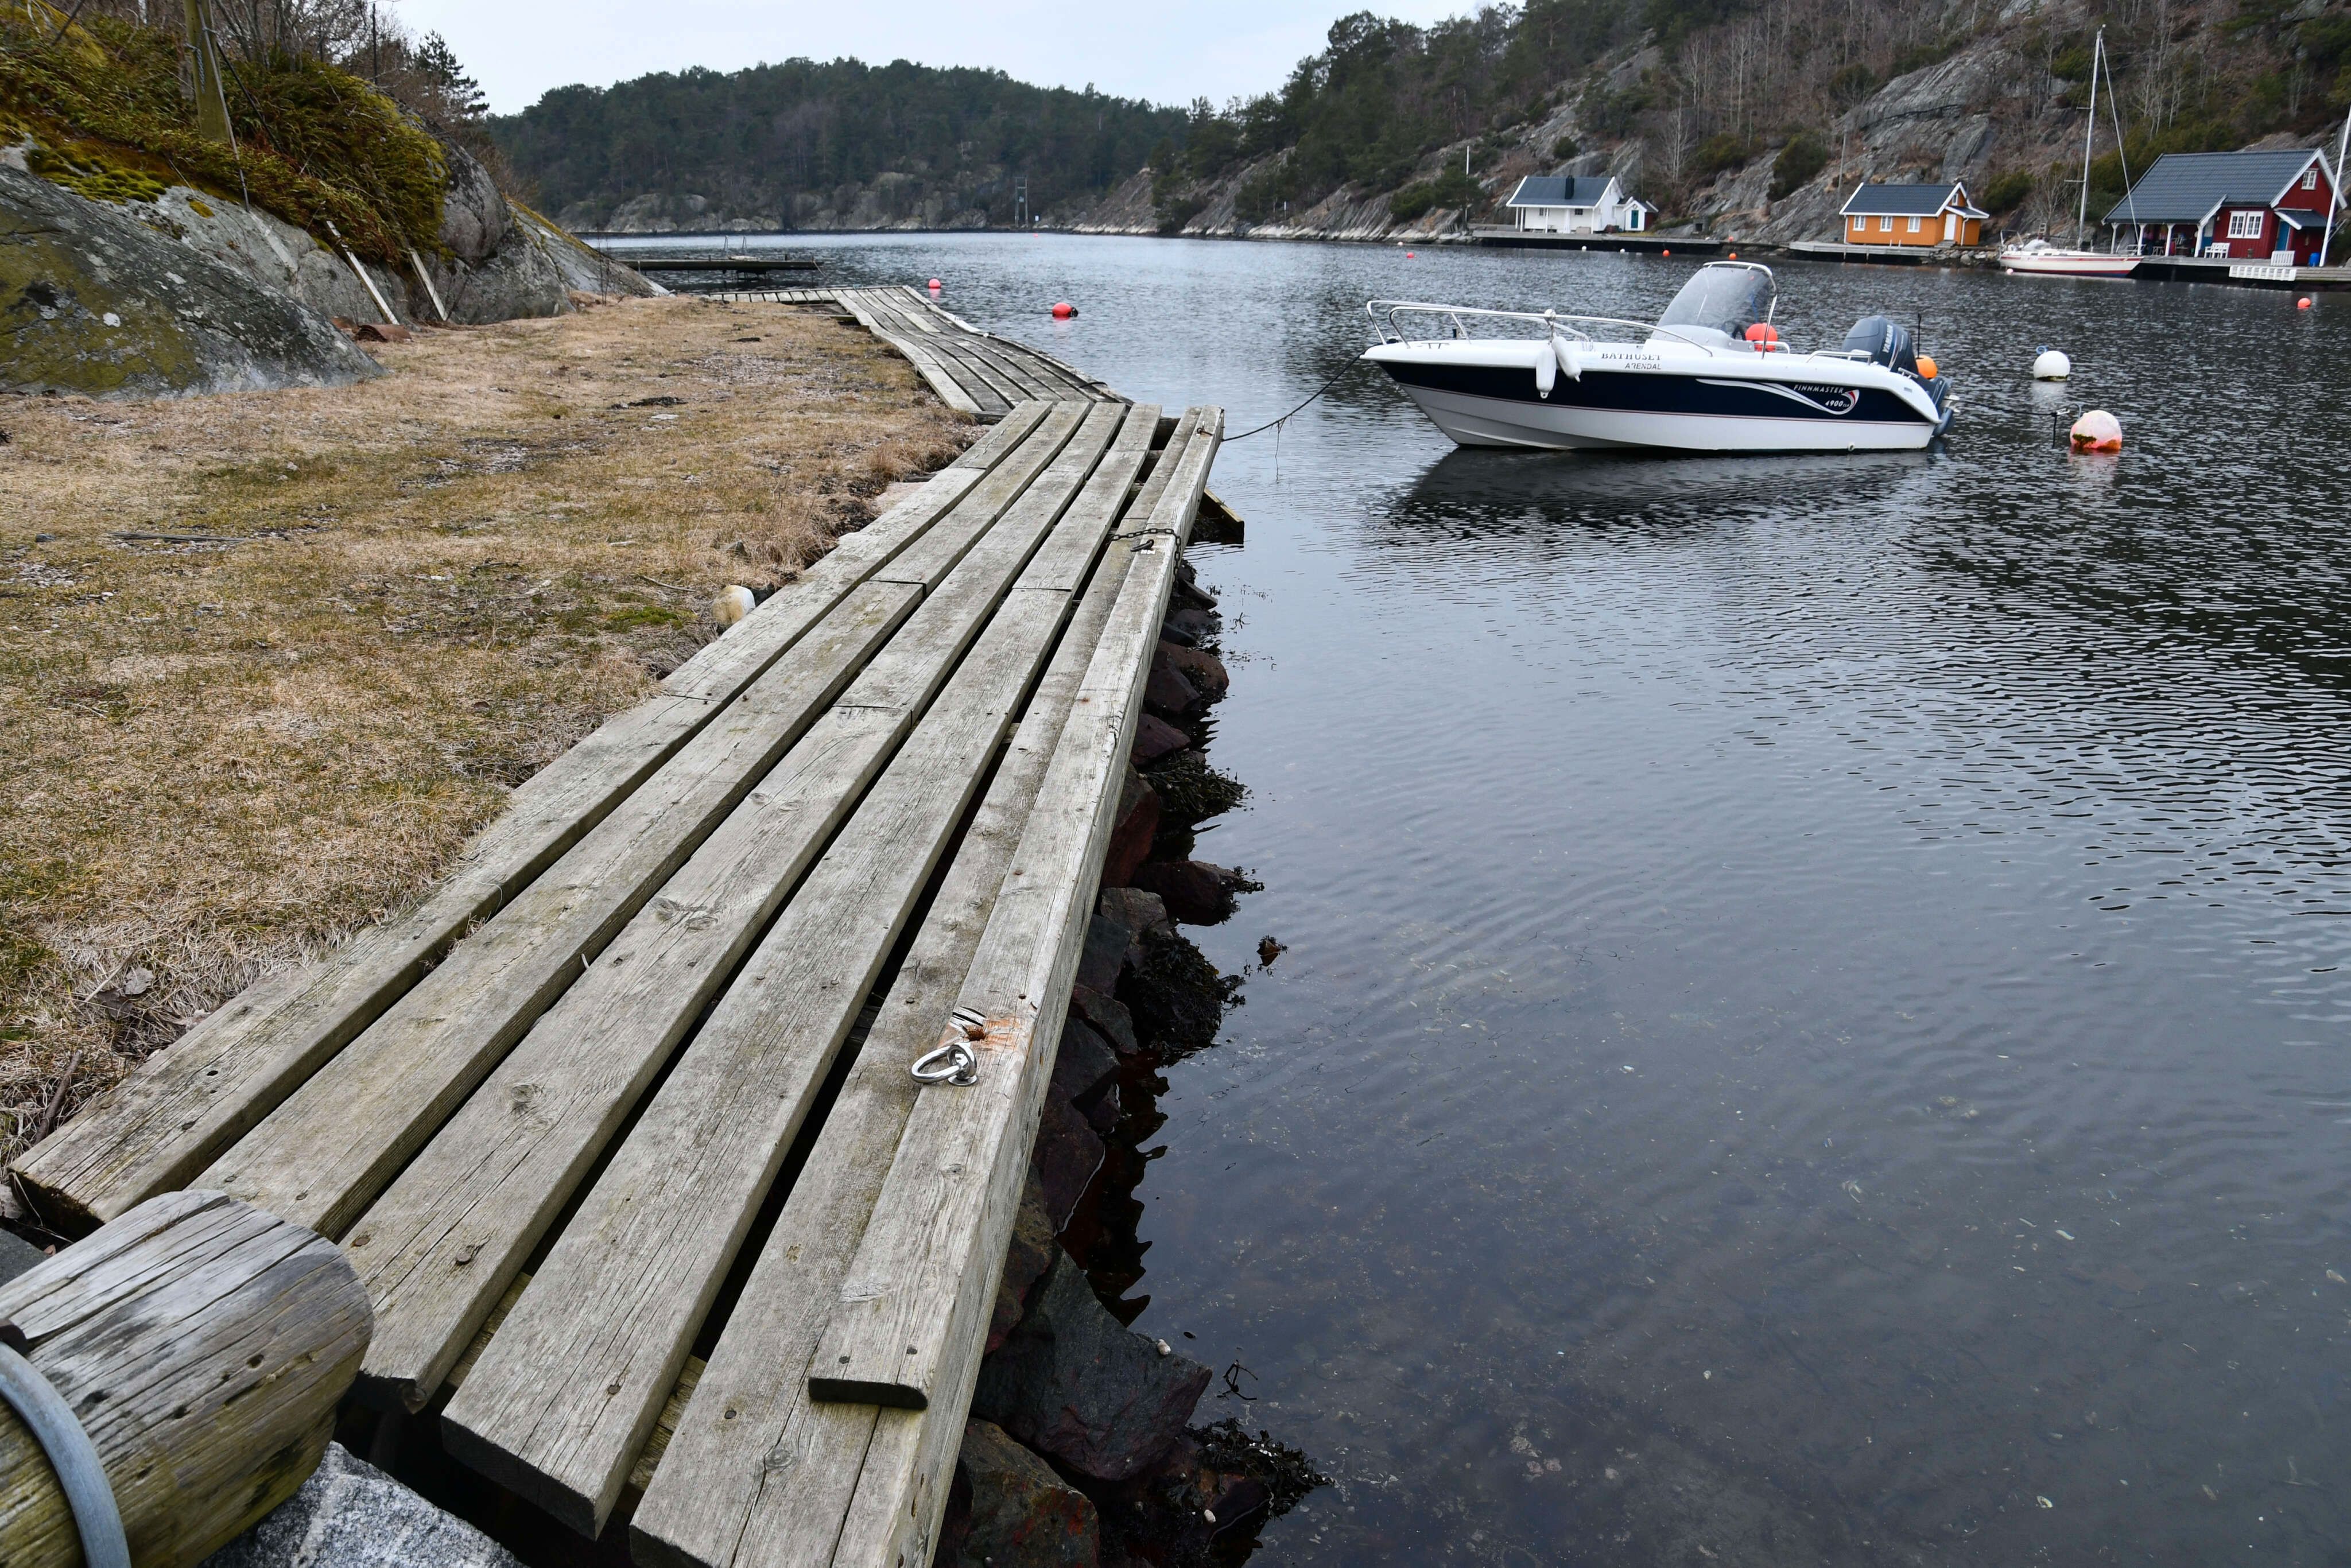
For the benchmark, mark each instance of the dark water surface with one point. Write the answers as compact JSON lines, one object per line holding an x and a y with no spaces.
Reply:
{"x":1812,"y":1029}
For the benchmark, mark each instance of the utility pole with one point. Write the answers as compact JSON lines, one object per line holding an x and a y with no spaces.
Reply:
{"x":1021,"y":201}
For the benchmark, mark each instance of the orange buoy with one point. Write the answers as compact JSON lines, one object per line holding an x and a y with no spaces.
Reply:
{"x":1927,"y":367}
{"x":2302,"y":303}
{"x":1064,"y":310}
{"x":2097,"y":430}
{"x":1670,"y":250}
{"x":1734,"y":255}
{"x":1764,"y":335}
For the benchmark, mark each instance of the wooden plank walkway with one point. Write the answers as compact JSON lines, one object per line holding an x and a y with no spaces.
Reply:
{"x":545,"y":1113}
{"x":980,"y":373}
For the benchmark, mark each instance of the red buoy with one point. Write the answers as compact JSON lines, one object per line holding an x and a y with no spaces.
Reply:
{"x":937,"y":286}
{"x":1407,"y":256}
{"x":2302,"y":303}
{"x":1669,"y":251}
{"x":1064,"y":310}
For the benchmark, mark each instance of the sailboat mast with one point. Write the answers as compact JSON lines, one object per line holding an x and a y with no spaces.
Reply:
{"x":2341,"y":147}
{"x":2082,"y":224}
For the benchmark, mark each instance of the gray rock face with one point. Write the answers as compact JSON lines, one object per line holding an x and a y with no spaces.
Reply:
{"x":1071,"y":1382}
{"x":349,"y":1514}
{"x":1021,"y":1515}
{"x":91,"y":301}
{"x":271,"y":252}
{"x":474,"y":214}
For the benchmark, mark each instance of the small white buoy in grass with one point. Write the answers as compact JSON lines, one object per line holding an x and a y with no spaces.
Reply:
{"x":733,"y":603}
{"x":2051,"y":366}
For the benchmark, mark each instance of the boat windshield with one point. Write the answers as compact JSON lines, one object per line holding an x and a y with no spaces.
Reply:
{"x":1723,"y":297}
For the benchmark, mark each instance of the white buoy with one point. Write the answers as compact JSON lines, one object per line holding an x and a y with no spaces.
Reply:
{"x":733,"y":603}
{"x":2051,"y":366}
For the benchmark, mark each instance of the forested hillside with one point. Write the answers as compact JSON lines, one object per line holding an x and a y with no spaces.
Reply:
{"x":839,"y":144}
{"x":1749,"y":114}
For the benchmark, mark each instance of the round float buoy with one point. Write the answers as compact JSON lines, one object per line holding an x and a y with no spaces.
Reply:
{"x":1064,"y":310}
{"x":733,"y":603}
{"x":1407,"y":256}
{"x":2302,"y":303}
{"x":1927,"y":367}
{"x":1668,"y":250}
{"x":937,"y":286}
{"x":2097,"y":430}
{"x":2051,"y":366}
{"x":1734,"y":255}
{"x":1764,"y":335}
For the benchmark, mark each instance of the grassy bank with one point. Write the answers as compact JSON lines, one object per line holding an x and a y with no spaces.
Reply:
{"x":222,"y":755}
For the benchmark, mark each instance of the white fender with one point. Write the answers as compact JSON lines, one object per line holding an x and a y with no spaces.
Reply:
{"x":1546,"y":374}
{"x":1569,"y":365}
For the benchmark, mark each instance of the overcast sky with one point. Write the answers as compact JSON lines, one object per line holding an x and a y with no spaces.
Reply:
{"x":1169,"y":54}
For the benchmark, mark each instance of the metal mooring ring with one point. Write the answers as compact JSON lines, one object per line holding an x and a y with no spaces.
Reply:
{"x":70,"y":1453}
{"x":955,"y":1062}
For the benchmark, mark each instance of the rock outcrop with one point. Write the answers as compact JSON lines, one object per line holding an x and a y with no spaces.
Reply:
{"x":1071,"y":1382}
{"x":93,"y":300}
{"x":349,"y":1514}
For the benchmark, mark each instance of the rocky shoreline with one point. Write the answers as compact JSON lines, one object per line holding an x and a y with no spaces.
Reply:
{"x":1081,"y":1449}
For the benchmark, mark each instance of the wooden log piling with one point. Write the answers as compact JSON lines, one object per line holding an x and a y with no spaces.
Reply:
{"x":203,"y":1345}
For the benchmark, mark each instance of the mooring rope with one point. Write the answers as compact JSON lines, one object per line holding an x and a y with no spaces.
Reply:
{"x":1270,"y":424}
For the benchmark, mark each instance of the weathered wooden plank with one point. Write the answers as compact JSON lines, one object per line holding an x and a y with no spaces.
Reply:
{"x":329,"y":1148}
{"x":560,"y":1403}
{"x":754,"y":1472}
{"x":164,"y":1122}
{"x":949,"y":388}
{"x":323,"y":1153}
{"x":1096,"y":387}
{"x":1002,"y":436}
{"x":909,"y":1459}
{"x":203,"y":1345}
{"x":911,"y":1293}
{"x":457,"y":1224}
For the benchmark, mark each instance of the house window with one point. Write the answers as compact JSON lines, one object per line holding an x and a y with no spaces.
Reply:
{"x":1885,"y":225}
{"x":1914,"y":225}
{"x":2245,"y":226}
{"x":2310,"y":181}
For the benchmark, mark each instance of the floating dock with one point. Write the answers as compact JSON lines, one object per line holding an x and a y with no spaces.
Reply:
{"x":618,"y":1127}
{"x":744,"y":264}
{"x":1505,"y":237}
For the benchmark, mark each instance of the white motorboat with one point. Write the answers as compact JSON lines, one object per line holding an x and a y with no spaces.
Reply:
{"x":1711,"y":374}
{"x":2041,"y":256}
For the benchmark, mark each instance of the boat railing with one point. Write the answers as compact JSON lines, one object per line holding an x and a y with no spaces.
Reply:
{"x":1383,"y":314}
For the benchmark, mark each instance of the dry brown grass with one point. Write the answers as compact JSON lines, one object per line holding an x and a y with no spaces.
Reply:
{"x":222,"y":756}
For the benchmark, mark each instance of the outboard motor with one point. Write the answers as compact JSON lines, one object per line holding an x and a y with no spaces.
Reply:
{"x":1883,"y":340}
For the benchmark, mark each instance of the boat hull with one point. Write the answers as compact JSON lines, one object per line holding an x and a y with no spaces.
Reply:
{"x":2071,"y":266}
{"x":1666,"y":411}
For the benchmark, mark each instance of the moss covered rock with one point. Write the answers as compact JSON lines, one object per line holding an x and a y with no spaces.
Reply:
{"x":93,"y":301}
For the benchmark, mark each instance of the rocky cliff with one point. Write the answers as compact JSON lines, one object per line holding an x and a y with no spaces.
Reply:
{"x":93,"y":300}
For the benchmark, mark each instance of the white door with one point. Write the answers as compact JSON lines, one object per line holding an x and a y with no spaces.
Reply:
{"x":1950,"y":228}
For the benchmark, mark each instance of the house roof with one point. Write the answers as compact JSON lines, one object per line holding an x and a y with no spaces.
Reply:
{"x":2188,"y":187}
{"x":1560,"y":190}
{"x":1906,"y":201}
{"x":2301,"y":218}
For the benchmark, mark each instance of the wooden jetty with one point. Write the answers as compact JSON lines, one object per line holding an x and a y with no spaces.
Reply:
{"x":977,"y":371}
{"x":618,"y":1126}
{"x":734,"y":263}
{"x":1503,"y":236}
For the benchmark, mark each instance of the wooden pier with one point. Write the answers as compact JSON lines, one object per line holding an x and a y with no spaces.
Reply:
{"x":977,"y":371}
{"x":618,"y":1126}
